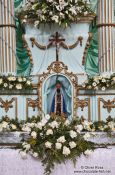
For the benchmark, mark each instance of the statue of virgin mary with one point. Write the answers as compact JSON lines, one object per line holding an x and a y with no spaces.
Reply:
{"x":58,"y":96}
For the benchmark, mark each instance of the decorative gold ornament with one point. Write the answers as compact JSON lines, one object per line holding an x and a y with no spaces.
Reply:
{"x":86,"y":48}
{"x":62,"y":44}
{"x":58,"y":68}
{"x":30,"y":103}
{"x":109,"y":105}
{"x":6,"y":105}
{"x":82,"y":103}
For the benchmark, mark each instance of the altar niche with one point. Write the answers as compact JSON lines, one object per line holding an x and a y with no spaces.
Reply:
{"x":58,"y":96}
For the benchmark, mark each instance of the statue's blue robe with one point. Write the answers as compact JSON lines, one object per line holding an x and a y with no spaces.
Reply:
{"x":63,"y":105}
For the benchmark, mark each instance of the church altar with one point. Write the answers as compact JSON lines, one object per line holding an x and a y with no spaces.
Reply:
{"x":58,"y":62}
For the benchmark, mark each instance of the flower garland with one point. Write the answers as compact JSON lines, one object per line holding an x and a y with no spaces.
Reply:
{"x":61,"y":12}
{"x":11,"y":82}
{"x":101,"y":82}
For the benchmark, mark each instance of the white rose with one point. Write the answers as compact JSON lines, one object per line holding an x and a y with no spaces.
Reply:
{"x":23,"y":154}
{"x":54,"y":124}
{"x":26,"y":129}
{"x":67,"y":123}
{"x":66,"y":151}
{"x":48,"y":144}
{"x":26,"y":146}
{"x":13,"y":78}
{"x":13,"y":126}
{"x":39,"y":125}
{"x":35,"y":154}
{"x":49,"y":132}
{"x":24,"y":79}
{"x":73,"y":134}
{"x":61,"y":139}
{"x":10,"y":86}
{"x":4,"y":124}
{"x":86,"y":136}
{"x":72,"y":144}
{"x":5,"y":84}
{"x":55,"y":18}
{"x":58,"y":145}
{"x":18,"y":86}
{"x":20,"y":79}
{"x":34,"y":134}
{"x":28,"y":82}
{"x":47,"y":116}
{"x":87,"y":152}
{"x":103,"y":80}
{"x":103,"y":88}
{"x":94,"y":84}
{"x":79,"y":128}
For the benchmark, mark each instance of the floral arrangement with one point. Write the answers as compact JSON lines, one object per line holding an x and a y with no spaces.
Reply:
{"x":8,"y":125}
{"x":61,"y":12}
{"x":11,"y":82}
{"x":55,"y":141}
{"x":100,"y":82}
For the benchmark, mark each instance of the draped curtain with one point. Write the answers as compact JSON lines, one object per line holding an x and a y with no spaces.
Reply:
{"x":23,"y":61}
{"x":92,"y":64}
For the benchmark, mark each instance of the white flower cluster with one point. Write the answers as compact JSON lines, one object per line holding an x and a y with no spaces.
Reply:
{"x":6,"y":126}
{"x":12,"y":82}
{"x":101,"y":82}
{"x":61,"y":12}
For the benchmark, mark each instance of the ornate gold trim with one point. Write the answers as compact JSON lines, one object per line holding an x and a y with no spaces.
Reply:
{"x":86,"y":48}
{"x":28,"y":49}
{"x":8,"y":104}
{"x":109,"y":105}
{"x":58,"y":68}
{"x":82,"y":104}
{"x":62,"y":44}
{"x":32,"y":104}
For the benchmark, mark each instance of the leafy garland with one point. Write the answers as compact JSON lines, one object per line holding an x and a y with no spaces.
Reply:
{"x":101,"y":82}
{"x":11,"y":82}
{"x":55,"y":141}
{"x":11,"y":125}
{"x":62,"y":12}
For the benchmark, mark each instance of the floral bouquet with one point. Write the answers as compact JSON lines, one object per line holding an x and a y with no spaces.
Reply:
{"x":11,"y":82}
{"x":55,"y":141}
{"x":101,"y":82}
{"x":61,"y":12}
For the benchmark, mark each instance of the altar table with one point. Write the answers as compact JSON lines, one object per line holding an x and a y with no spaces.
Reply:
{"x":100,"y":162}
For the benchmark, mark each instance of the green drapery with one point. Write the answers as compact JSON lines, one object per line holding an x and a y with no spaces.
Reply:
{"x":23,"y":61}
{"x":92,"y":65}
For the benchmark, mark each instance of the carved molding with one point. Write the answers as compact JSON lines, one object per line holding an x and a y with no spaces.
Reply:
{"x":30,"y":103}
{"x":109,"y":105}
{"x":86,"y":48}
{"x":7,"y":105}
{"x":28,"y":49}
{"x":82,"y":103}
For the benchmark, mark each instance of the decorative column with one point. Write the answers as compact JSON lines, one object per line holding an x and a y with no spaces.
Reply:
{"x":106,"y":36}
{"x":7,"y":37}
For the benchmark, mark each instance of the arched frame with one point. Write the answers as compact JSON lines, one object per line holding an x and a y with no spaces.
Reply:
{"x":58,"y":68}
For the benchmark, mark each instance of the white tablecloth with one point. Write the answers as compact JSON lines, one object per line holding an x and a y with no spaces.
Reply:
{"x":100,"y":162}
